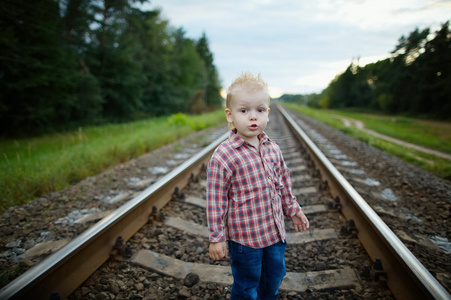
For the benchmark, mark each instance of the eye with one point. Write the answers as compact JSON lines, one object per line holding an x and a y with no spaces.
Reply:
{"x":243,"y":110}
{"x":260,"y":110}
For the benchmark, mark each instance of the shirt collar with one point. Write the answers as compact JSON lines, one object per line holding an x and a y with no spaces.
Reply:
{"x":237,"y":141}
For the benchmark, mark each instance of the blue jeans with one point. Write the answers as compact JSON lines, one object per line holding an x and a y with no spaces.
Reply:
{"x":257,"y":273}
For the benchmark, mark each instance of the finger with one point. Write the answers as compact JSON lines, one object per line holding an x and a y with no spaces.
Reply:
{"x":301,"y":227}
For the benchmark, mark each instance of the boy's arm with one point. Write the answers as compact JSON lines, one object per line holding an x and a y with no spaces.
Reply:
{"x":289,"y":203}
{"x":218,"y":182}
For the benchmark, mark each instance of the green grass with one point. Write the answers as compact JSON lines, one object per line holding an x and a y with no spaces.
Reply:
{"x":430,"y":134}
{"x":33,"y":167}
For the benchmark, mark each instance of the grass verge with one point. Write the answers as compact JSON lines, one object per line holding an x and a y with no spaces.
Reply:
{"x":430,"y":134}
{"x":33,"y":167}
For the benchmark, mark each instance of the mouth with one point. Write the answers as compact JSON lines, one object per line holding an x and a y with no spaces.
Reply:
{"x":253,"y":127}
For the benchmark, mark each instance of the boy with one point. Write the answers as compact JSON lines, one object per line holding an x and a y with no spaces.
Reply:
{"x":248,"y":194}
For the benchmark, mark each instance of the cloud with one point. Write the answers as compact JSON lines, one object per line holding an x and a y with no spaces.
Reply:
{"x":300,"y":46}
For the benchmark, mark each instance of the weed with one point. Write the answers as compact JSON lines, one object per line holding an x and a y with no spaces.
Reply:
{"x":7,"y":276}
{"x":430,"y":134}
{"x":33,"y":167}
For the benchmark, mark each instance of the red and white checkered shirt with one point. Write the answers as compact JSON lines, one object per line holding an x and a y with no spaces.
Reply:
{"x":248,"y":193}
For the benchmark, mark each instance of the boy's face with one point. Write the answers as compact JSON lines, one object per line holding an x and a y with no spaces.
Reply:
{"x":249,"y":112}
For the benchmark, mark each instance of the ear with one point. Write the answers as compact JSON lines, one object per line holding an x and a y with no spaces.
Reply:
{"x":228,"y":114}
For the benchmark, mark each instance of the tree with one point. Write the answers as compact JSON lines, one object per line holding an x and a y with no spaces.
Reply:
{"x":414,"y":80}
{"x":37,"y":75}
{"x":112,"y":59}
{"x":211,"y":83}
{"x":435,"y":77}
{"x":187,"y":71}
{"x":77,"y":17}
{"x":66,"y":63}
{"x":339,"y":89}
{"x":155,"y":57}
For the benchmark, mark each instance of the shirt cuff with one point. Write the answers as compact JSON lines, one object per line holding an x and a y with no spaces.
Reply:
{"x":217,"y":237}
{"x":295,"y":211}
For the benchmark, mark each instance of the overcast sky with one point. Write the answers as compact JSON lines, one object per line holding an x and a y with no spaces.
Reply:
{"x":299,"y":46}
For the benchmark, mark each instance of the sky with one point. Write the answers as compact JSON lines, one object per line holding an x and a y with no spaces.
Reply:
{"x":299,"y":46}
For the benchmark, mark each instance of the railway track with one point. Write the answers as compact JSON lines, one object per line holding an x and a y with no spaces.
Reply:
{"x":162,"y":232}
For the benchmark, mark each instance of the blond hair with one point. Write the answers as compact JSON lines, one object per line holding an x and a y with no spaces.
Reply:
{"x":248,"y":81}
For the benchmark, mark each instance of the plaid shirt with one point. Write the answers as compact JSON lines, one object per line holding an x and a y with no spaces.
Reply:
{"x":248,"y":193}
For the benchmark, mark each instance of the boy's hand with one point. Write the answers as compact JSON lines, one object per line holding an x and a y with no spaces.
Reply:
{"x":218,"y":251}
{"x":300,"y":222}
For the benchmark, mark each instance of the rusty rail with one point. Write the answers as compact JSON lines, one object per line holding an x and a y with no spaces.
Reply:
{"x":406,"y":277}
{"x":62,"y":272}
{"x":68,"y":268}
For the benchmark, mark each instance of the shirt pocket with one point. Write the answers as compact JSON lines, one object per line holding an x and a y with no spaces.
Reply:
{"x":277,"y":180}
{"x":273,"y":169}
{"x":244,"y":197}
{"x":246,"y":194}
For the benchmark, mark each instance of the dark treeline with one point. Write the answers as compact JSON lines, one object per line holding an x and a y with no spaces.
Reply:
{"x":66,"y":63}
{"x":416,"y":80}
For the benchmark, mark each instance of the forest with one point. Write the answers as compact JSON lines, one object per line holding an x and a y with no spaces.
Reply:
{"x":71,"y":63}
{"x":415,"y":80}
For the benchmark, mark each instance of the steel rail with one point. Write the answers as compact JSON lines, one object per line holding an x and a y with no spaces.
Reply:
{"x":406,"y":277}
{"x":69,"y":267}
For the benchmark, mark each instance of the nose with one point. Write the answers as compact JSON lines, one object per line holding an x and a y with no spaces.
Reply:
{"x":252,"y":115}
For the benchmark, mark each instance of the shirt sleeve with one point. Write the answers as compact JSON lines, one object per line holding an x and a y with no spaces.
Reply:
{"x":218,"y":183}
{"x":289,"y":202}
